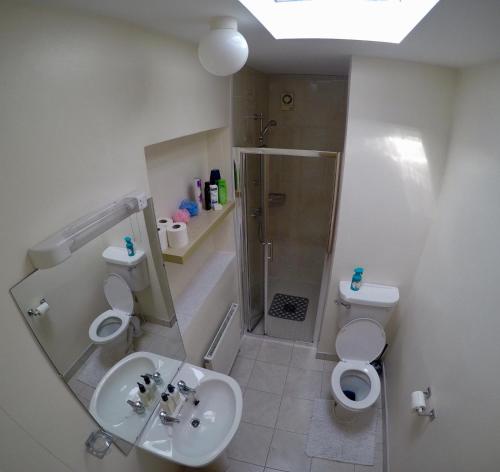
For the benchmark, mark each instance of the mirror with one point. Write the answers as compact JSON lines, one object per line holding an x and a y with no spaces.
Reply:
{"x":61,"y":306}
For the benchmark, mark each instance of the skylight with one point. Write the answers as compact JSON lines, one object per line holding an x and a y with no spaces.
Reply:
{"x":387,"y":21}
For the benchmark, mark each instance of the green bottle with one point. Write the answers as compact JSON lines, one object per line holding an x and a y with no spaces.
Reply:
{"x":222,"y":191}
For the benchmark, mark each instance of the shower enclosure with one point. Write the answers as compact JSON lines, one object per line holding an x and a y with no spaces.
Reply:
{"x":286,"y":206}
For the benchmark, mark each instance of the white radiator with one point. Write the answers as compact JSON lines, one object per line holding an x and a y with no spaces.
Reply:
{"x":225,"y":346}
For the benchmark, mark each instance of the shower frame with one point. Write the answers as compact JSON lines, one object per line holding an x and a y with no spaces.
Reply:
{"x":241,"y":228}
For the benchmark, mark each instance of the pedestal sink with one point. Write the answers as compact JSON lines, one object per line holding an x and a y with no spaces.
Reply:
{"x":204,"y":430}
{"x":109,"y":402}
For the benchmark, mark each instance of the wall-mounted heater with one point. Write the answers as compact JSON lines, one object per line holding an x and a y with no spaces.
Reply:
{"x":58,"y":247}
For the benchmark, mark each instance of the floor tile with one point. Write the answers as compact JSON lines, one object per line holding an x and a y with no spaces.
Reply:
{"x":295,"y":415}
{"x":260,"y":408}
{"x":287,"y":452}
{"x":275,"y":352}
{"x":268,"y":377}
{"x":241,"y":370}
{"x":303,"y":383}
{"x":238,"y":466}
{"x":323,"y":465}
{"x":250,"y":444}
{"x":326,"y":385}
{"x":250,"y":347}
{"x":304,"y":357}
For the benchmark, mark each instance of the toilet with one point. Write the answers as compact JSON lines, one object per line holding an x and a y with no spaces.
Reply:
{"x":361,"y":339}
{"x":127,"y":274}
{"x":112,"y":325}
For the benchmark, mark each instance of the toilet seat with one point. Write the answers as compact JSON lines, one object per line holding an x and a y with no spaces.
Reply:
{"x":358,"y":343}
{"x":357,"y":368}
{"x":112,"y":324}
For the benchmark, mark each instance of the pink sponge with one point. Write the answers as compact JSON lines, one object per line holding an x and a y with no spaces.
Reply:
{"x":181,"y":216}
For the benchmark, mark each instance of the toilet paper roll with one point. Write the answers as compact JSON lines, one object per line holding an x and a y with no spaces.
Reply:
{"x":418,"y":400}
{"x":162,"y":236}
{"x":164,"y":222}
{"x":177,"y":235}
{"x":42,"y":309}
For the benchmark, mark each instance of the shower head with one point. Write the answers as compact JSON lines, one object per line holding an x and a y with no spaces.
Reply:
{"x":268,"y":126}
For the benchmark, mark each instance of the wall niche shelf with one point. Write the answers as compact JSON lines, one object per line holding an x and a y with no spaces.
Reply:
{"x":199,"y":227}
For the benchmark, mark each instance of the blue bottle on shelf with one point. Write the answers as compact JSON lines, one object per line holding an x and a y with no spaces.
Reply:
{"x":357,"y":278}
{"x":129,"y":245}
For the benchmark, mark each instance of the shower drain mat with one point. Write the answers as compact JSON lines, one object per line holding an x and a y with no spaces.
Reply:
{"x":289,"y":307}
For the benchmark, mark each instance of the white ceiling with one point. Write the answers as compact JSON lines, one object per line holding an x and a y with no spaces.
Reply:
{"x":456,"y":33}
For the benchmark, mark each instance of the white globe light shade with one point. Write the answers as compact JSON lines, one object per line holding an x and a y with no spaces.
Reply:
{"x":223,"y":51}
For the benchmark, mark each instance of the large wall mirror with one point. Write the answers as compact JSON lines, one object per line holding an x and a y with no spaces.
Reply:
{"x":88,"y":322}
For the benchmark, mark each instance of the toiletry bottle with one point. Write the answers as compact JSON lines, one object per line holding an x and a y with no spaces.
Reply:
{"x":143,"y":394}
{"x":214,"y":196}
{"x":357,"y":278}
{"x":167,"y":403}
{"x":174,"y":394}
{"x":150,"y":387}
{"x":222,"y":191}
{"x":214,"y":176}
{"x":129,"y":245}
{"x":207,"y":196}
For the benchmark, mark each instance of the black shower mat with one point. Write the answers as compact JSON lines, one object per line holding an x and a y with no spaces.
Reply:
{"x":289,"y":307}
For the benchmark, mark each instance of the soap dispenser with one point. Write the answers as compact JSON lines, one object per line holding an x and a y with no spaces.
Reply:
{"x":150,"y":387}
{"x":175,"y":394}
{"x":143,"y":394}
{"x":357,"y":278}
{"x":167,"y":404}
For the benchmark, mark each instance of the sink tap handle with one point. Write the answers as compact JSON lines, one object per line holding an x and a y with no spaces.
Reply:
{"x":184,"y":388}
{"x":156,"y":378}
{"x":165,"y":418}
{"x":137,"y":406}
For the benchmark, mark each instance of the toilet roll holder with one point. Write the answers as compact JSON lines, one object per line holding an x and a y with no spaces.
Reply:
{"x":38,"y":311}
{"x":422,"y":411}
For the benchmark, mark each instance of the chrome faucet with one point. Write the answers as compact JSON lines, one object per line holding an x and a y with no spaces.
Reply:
{"x":137,"y":406}
{"x":156,"y":377}
{"x":165,"y":418}
{"x":187,"y":391}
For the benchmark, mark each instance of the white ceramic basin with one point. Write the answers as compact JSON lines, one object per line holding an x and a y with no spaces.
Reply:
{"x":219,"y":415}
{"x":109,"y":402}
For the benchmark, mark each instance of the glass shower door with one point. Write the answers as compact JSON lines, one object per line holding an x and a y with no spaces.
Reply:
{"x":297,"y":202}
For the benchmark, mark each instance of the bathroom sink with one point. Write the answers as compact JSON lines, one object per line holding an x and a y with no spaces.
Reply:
{"x":109,"y":402}
{"x":204,"y":430}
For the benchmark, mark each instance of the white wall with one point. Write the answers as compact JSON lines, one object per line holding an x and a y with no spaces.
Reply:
{"x":449,"y":327}
{"x":398,"y":125}
{"x":80,"y":97}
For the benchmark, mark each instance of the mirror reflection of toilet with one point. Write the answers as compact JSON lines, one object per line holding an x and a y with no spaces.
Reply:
{"x":363,"y":315}
{"x":128,"y":274}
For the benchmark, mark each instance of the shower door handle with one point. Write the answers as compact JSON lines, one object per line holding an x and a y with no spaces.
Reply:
{"x":270,"y":251}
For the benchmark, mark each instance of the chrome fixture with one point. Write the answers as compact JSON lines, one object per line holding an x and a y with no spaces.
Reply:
{"x":263,"y":129}
{"x":347,"y":306}
{"x":165,"y":418}
{"x":422,"y":411}
{"x":40,"y":310}
{"x":156,"y":377}
{"x":187,"y":391}
{"x":137,"y":406}
{"x":98,"y":443}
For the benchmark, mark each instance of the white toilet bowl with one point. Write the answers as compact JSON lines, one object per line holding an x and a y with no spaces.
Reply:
{"x":112,"y":325}
{"x":355,"y":382}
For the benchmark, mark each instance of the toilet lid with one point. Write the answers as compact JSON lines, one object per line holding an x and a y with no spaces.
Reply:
{"x":360,"y":340}
{"x":118,"y":294}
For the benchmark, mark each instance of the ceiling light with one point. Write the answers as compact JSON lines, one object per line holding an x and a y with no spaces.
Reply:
{"x":388,"y":21}
{"x":223,"y":51}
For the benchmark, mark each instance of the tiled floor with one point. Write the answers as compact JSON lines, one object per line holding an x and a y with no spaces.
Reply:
{"x":280,"y":381}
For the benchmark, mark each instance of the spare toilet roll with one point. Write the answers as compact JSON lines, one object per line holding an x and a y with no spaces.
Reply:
{"x":164,"y":221}
{"x":418,"y":400}
{"x":177,"y":235}
{"x":162,"y":236}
